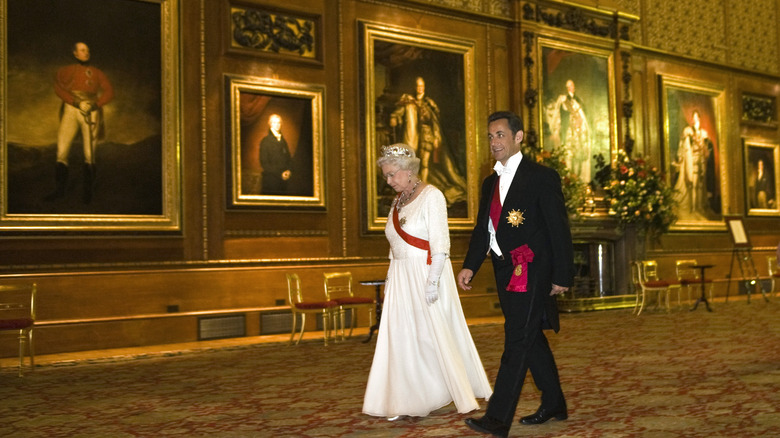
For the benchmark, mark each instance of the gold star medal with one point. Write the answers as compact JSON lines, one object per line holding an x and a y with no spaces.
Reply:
{"x":515,"y":218}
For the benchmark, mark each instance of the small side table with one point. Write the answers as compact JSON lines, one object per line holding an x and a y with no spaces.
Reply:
{"x":703,"y":297}
{"x":378,"y":284}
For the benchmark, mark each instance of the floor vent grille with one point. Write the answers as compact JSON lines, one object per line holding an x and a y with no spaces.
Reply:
{"x":272,"y":323}
{"x":220,"y":327}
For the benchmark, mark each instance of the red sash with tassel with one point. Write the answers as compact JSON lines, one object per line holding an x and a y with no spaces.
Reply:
{"x":521,"y":257}
{"x":408,"y":238}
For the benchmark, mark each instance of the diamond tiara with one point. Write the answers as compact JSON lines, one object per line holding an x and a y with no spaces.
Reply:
{"x":396,"y":151}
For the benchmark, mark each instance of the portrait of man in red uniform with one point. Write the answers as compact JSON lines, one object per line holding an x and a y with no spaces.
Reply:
{"x":84,"y":90}
{"x":87,"y":104}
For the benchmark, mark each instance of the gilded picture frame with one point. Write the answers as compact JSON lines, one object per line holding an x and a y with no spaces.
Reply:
{"x":276,"y":166}
{"x":577,"y":104}
{"x":694,"y":151}
{"x":51,"y":178}
{"x":399,"y":63}
{"x":761,"y":177}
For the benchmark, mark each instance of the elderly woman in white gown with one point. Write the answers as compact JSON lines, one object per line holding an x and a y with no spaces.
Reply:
{"x":425,"y":357}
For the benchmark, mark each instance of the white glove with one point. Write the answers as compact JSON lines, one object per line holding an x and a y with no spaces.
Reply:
{"x":432,"y":285}
{"x":431,"y":293}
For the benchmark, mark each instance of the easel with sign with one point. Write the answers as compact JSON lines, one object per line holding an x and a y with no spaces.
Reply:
{"x":741,"y":253}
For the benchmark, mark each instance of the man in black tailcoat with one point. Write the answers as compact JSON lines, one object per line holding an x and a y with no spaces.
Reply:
{"x":275,"y":159}
{"x":529,"y":241}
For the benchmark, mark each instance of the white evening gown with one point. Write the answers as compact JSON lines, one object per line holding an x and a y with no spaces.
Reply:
{"x":425,"y":357}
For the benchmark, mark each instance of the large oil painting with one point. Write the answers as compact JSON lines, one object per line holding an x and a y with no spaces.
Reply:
{"x":693,"y":153}
{"x":90,"y":121}
{"x":577,"y":104}
{"x":419,"y":90}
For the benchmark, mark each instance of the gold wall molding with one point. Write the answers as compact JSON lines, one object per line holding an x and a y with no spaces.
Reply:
{"x":342,"y":135}
{"x":633,"y":7}
{"x":70,"y":270}
{"x":204,"y":208}
{"x":499,"y":8}
{"x":275,"y":233}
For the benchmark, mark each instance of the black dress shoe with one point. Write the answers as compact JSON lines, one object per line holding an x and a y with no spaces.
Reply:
{"x":542,"y":415}
{"x":488,"y":425}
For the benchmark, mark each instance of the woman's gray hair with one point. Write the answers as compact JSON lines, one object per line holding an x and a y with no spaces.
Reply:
{"x":400,"y":155}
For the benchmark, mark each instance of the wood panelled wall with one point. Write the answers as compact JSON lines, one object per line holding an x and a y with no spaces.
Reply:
{"x":114,"y":290}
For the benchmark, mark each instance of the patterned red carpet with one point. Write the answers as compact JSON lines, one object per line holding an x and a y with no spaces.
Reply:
{"x":684,"y":374}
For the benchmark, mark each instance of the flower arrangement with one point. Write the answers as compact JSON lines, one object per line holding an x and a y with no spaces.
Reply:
{"x":637,"y":193}
{"x":574,"y":189}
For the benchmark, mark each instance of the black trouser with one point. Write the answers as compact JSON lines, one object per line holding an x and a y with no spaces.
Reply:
{"x":525,"y":347}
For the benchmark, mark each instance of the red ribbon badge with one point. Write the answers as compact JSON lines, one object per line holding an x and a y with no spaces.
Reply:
{"x":521,"y":257}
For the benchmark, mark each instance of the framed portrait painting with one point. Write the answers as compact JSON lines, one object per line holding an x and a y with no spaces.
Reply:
{"x":275,"y":139}
{"x":762,"y":181}
{"x":577,"y":104}
{"x":419,"y":89}
{"x":694,"y":158}
{"x":89,"y":122}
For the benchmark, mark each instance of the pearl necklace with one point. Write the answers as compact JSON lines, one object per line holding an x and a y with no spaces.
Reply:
{"x":403,"y":199}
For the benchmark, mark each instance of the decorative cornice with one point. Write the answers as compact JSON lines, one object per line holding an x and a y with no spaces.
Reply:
{"x":759,"y":109}
{"x":580,"y":19}
{"x":273,"y":32}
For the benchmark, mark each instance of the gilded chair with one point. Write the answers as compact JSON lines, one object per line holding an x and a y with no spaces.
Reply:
{"x":302,"y":307}
{"x":646,"y":274}
{"x":338,"y":287}
{"x":774,"y":272}
{"x":17,"y":314}
{"x":689,"y":277}
{"x":635,"y":267}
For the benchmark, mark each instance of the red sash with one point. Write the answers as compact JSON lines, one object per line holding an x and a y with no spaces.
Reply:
{"x":408,"y":238}
{"x":521,"y":257}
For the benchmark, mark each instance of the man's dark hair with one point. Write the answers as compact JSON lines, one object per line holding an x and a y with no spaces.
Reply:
{"x":515,"y":122}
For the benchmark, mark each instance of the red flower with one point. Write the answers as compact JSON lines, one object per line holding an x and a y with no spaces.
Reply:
{"x":623,"y":169}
